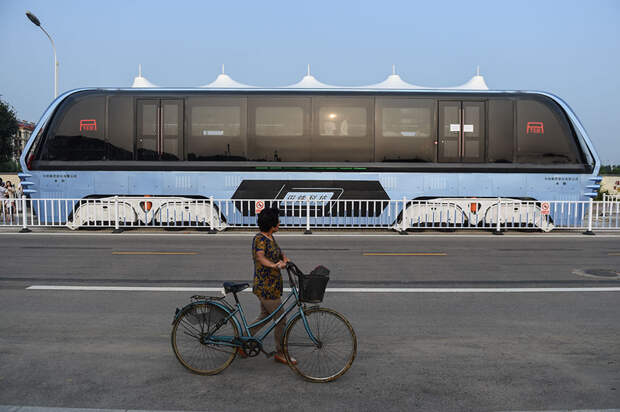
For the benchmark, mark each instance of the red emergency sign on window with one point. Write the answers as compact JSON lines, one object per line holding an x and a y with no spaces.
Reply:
{"x":535,"y":128}
{"x":88,"y":124}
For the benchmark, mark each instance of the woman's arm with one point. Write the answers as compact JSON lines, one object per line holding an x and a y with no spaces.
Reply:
{"x":260,"y":256}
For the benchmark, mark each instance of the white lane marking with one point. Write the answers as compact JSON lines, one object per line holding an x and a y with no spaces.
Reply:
{"x":569,"y":410}
{"x":12,"y":408}
{"x":335,"y":290}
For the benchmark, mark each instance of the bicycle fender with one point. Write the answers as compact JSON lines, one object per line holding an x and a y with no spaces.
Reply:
{"x":290,"y":320}
{"x":298,"y":315}
{"x":178,"y":311}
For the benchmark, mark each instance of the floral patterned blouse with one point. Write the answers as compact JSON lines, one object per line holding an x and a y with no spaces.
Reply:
{"x":267,"y":281}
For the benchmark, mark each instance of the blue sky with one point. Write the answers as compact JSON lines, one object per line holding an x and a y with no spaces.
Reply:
{"x":570,"y":48}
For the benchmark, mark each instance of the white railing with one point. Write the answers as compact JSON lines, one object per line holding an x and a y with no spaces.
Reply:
{"x":609,"y":202}
{"x":497,"y":214}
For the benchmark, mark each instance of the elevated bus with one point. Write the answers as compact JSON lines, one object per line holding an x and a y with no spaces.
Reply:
{"x":441,"y":146}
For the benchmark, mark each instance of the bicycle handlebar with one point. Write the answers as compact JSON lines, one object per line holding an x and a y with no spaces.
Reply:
{"x":291,"y":267}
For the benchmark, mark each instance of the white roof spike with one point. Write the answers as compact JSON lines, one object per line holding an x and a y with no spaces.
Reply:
{"x":393,"y":81}
{"x":223,"y":72}
{"x":475,"y":83}
{"x":140,"y":81}
{"x":310,"y":82}
{"x":224,"y":81}
{"x":478,"y":70}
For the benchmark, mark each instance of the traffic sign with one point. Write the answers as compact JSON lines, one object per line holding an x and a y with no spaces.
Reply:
{"x":259,"y":205}
{"x":544,"y":208}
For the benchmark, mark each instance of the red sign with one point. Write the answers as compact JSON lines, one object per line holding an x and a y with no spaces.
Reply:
{"x":535,"y":128}
{"x":259,"y":206}
{"x":544,"y":208}
{"x":88,"y":124}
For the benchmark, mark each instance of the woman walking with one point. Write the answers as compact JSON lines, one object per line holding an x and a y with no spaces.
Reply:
{"x":268,"y":261}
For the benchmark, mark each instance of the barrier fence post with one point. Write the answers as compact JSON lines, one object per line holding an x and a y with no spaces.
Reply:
{"x":308,"y":231}
{"x":24,"y":217}
{"x":117,"y":227}
{"x":498,"y":229}
{"x":403,"y":229}
{"x":589,"y":231}
{"x":212,"y":230}
{"x":604,"y":203}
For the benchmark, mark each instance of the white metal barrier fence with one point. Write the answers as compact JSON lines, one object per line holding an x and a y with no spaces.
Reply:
{"x":609,"y":203}
{"x":402,"y":215}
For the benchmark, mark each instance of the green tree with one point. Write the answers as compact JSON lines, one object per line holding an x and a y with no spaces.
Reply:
{"x":8,"y":129}
{"x":610,"y":170}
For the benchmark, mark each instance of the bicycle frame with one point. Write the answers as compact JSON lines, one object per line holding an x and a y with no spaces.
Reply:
{"x":247,"y":336}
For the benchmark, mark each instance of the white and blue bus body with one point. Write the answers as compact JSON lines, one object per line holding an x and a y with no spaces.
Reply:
{"x":331,"y":144}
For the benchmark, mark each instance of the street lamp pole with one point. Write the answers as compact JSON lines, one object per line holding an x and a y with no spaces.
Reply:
{"x":36,"y":22}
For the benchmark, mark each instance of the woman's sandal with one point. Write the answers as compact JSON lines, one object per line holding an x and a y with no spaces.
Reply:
{"x":282,"y":359}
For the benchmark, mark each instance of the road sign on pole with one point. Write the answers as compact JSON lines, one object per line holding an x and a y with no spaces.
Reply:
{"x":259,"y":205}
{"x":544,"y":208}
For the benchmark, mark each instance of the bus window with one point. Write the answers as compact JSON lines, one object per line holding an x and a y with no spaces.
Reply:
{"x":543,"y":134}
{"x":404,"y":130}
{"x":120,"y":128}
{"x":279,"y":128}
{"x":279,"y":121}
{"x":501,"y":131}
{"x":217,"y":129}
{"x":78,"y":134}
{"x":342,"y":129}
{"x":342,"y":121}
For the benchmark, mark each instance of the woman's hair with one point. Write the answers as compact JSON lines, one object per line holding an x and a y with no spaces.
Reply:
{"x":268,"y":218}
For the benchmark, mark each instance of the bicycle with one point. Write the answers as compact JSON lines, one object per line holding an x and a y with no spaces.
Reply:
{"x":205,"y":334}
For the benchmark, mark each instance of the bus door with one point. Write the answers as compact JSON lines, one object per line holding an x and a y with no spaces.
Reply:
{"x":461,"y":131}
{"x":159,"y":134}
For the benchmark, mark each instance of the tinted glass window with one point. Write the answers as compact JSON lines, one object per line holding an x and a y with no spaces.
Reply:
{"x":217,"y":129}
{"x":342,"y":121}
{"x":473,"y":132}
{"x":147,"y":139}
{"x":78,"y":132}
{"x":543,"y":134}
{"x":279,"y":121}
{"x":120,"y":128}
{"x":342,"y":129}
{"x":449,"y":141}
{"x":279,"y":128}
{"x":501,"y":131}
{"x":172,"y":130}
{"x":404,"y":130}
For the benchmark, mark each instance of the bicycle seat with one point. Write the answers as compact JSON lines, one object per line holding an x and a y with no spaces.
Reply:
{"x":232,"y":287}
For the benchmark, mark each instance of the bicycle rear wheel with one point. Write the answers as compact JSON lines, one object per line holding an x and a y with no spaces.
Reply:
{"x":195,"y":337}
{"x":336,"y":349}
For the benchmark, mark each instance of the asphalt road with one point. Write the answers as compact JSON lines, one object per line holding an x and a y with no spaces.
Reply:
{"x":440,"y":350}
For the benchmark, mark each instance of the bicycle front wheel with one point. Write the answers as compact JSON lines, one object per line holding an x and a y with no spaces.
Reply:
{"x":202,"y":339}
{"x":331,"y":356}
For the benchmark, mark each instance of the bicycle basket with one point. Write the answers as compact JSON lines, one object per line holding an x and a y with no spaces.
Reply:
{"x":312,"y":286}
